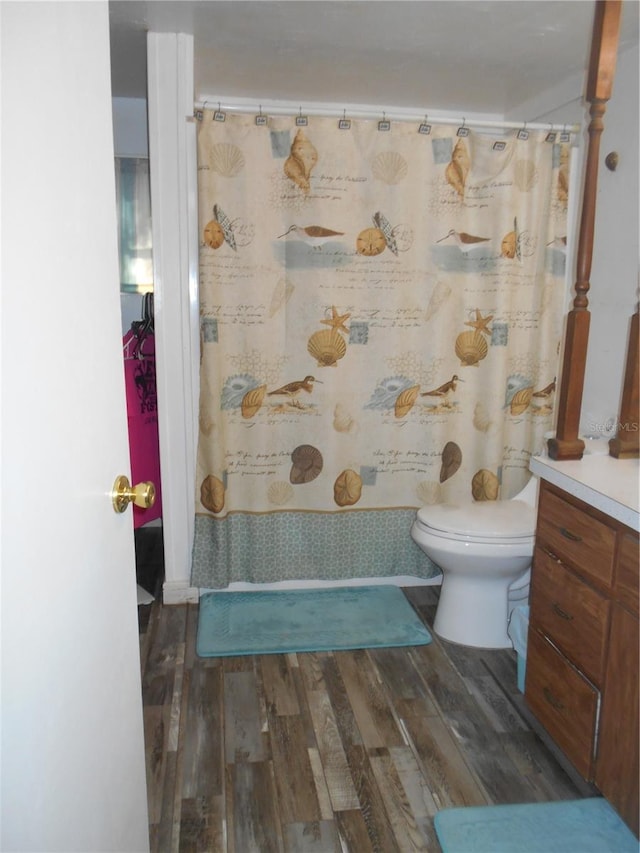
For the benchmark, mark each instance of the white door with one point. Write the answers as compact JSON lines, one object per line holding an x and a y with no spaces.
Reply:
{"x":72,"y":759}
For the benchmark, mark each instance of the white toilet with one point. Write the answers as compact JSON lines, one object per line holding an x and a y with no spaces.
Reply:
{"x":485,"y":550}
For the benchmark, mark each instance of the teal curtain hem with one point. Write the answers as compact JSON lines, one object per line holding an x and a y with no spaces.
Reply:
{"x":291,"y":546}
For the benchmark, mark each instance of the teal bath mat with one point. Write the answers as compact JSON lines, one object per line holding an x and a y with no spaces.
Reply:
{"x":306,"y":620}
{"x":574,"y":826}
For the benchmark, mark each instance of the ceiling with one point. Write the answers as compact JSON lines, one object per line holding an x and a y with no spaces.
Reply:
{"x":486,"y":56}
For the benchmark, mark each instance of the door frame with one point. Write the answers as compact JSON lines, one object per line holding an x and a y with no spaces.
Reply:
{"x":173,"y":175}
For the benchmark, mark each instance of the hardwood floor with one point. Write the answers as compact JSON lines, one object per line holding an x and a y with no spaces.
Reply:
{"x":341,"y":751}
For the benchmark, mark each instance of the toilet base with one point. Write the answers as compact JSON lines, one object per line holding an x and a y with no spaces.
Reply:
{"x":474,"y":613}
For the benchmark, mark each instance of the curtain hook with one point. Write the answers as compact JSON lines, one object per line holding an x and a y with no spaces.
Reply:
{"x":344,"y":123}
{"x":425,"y":127}
{"x":463,"y":130}
{"x":260,"y":119}
{"x":384,"y":124}
{"x":301,"y":121}
{"x":523,"y":133}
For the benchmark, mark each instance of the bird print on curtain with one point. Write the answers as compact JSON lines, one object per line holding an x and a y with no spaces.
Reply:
{"x":380,"y":323}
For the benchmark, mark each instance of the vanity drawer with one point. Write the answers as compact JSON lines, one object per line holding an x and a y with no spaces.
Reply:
{"x":583,"y":542}
{"x":627,"y":570}
{"x":563,"y":701}
{"x":572,"y":614}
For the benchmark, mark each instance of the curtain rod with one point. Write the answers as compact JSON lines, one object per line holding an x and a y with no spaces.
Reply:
{"x":367,"y":111}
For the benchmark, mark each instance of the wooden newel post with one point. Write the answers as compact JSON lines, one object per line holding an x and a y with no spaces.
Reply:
{"x":602,"y":66}
{"x":626,"y":443}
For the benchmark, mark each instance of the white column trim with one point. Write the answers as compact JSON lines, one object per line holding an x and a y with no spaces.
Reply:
{"x":172,"y":158}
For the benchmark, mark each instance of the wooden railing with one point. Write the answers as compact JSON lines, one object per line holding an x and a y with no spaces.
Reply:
{"x":602,"y":65}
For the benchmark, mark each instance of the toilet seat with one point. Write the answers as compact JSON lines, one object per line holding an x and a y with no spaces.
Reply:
{"x":484,"y":522}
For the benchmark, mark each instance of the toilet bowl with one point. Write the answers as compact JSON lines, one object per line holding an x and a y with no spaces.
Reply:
{"x":484,"y":550}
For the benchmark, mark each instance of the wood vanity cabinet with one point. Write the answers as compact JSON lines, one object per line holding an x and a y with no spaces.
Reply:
{"x":582,"y":652}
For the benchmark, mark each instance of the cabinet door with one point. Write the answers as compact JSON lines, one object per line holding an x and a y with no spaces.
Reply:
{"x":572,"y":614}
{"x":562,"y":700}
{"x":617,"y":760}
{"x":576,"y":537}
{"x":626,"y":582}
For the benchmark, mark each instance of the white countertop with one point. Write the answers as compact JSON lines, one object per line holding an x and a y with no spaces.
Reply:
{"x":608,"y":484}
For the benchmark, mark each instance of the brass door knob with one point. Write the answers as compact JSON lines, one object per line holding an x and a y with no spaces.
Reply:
{"x":123,"y":493}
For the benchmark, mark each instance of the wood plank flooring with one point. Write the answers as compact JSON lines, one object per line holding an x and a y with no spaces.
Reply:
{"x":334,"y":751}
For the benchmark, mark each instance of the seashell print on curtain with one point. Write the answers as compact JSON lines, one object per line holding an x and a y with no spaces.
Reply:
{"x":380,"y":326}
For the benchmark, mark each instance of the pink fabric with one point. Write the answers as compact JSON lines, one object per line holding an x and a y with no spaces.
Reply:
{"x":142,"y":416}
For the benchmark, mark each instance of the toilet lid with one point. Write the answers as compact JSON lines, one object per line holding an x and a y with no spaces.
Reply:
{"x":492,"y":519}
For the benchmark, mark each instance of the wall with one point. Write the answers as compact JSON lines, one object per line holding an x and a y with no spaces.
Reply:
{"x":130,"y":137}
{"x":614,"y":273}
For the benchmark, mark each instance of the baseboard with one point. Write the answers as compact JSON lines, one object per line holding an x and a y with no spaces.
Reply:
{"x":179,"y":592}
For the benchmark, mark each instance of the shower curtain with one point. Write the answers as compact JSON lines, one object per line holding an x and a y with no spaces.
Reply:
{"x":381,"y":312}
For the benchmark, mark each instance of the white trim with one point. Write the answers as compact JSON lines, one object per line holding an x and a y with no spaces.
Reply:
{"x":171,"y":158}
{"x":367,"y":111}
{"x":193,"y":355}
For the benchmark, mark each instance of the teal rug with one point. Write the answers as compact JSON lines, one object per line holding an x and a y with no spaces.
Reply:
{"x":306,"y":620}
{"x":574,"y":826}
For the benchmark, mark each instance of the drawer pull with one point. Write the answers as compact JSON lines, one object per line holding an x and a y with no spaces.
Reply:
{"x":569,"y":535}
{"x":551,"y":699}
{"x":550,"y":553}
{"x":561,"y":613}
